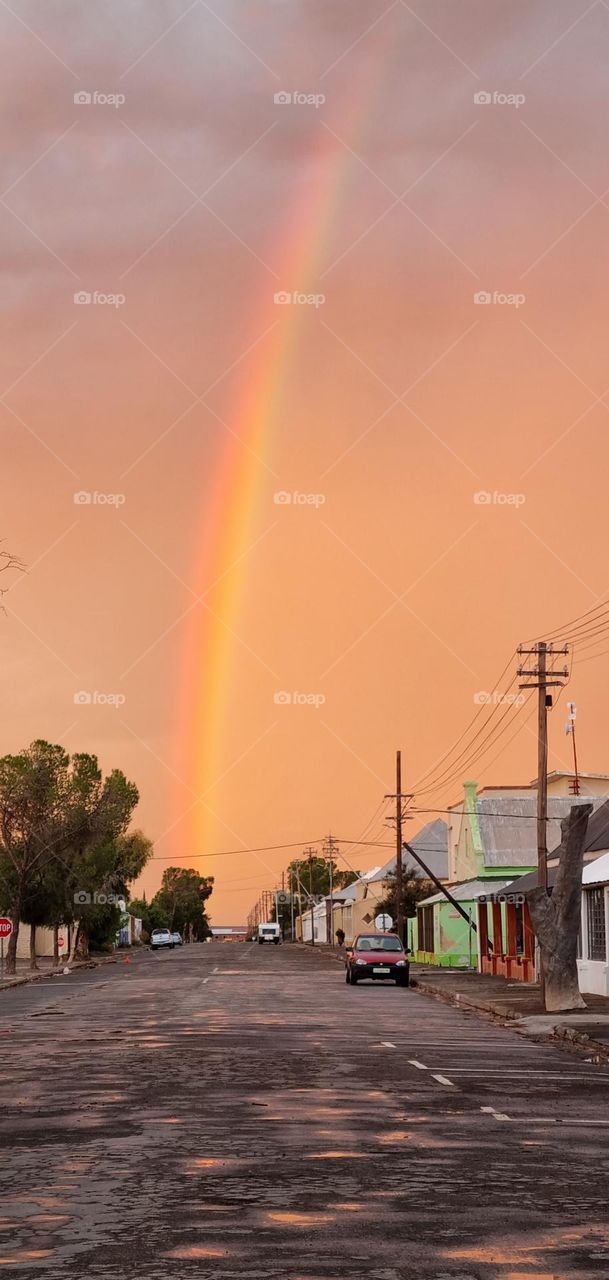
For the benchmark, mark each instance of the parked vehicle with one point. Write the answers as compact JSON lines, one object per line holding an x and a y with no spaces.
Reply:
{"x":269,"y":933}
{"x":177,"y":937}
{"x":161,"y":938}
{"x":378,"y":956}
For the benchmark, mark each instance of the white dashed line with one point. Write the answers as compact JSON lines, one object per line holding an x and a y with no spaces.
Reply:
{"x":421,"y":1065}
{"x":443,"y":1080}
{"x":387,"y":1044}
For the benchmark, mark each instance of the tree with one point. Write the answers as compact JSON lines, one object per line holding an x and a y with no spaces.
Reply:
{"x":414,"y":889}
{"x":63,"y":835}
{"x":313,"y":877}
{"x":557,"y":918}
{"x":181,"y":899}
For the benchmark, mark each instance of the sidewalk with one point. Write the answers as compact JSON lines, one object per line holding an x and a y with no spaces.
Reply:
{"x":518,"y":1003}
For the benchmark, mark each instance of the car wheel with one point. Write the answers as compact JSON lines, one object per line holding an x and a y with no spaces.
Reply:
{"x":172,"y":945}
{"x":347,"y":975}
{"x":353,"y":980}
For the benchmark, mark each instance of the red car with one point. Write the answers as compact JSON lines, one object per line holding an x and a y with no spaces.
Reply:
{"x":379,"y":956}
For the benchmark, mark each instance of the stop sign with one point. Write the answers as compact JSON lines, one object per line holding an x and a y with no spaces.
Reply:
{"x":6,"y":927}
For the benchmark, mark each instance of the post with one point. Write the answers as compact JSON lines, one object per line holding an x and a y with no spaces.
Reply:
{"x":2,"y":959}
{"x":398,"y":846}
{"x":292,"y":922}
{"x":312,"y":903}
{"x":542,"y":769}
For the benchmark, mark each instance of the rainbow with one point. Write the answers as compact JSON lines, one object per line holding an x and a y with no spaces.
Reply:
{"x":235,"y":517}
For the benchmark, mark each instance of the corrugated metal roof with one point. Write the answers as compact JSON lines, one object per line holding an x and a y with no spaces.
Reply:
{"x":508,"y":831}
{"x":431,"y":842}
{"x":468,"y":891}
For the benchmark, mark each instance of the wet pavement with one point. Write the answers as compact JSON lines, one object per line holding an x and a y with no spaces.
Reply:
{"x":237,"y":1111}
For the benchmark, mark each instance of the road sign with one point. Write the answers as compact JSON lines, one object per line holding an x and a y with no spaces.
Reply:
{"x":384,"y":922}
{"x":6,"y":927}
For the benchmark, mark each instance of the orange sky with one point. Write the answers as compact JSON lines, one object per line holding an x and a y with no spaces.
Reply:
{"x":395,"y":597}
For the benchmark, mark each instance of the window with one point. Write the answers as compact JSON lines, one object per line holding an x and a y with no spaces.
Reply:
{"x":595,"y":914}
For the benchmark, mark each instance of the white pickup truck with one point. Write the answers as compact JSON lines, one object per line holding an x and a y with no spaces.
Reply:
{"x":269,"y":933}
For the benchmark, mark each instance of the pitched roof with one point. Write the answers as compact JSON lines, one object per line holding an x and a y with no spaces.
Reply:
{"x":431,"y":842}
{"x":597,"y":841}
{"x":507,"y":826}
{"x":468,"y":891}
{"x":597,"y":835}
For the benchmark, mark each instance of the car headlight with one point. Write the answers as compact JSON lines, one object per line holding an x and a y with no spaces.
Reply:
{"x":402,"y":962}
{"x":360,"y":961}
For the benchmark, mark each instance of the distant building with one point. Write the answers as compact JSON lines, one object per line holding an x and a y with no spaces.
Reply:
{"x":238,"y":932}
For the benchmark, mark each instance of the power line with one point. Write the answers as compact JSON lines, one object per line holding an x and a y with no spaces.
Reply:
{"x":478,"y":713}
{"x":493,"y":736}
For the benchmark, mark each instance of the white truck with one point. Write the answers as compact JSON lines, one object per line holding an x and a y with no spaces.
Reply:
{"x":269,"y":933}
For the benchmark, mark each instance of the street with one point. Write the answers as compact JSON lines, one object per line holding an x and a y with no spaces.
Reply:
{"x":233,"y":1110}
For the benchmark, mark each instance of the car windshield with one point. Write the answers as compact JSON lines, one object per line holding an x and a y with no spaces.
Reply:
{"x":379,"y":942}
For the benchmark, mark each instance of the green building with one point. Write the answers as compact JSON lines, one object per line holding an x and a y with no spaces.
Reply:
{"x":492,"y":841}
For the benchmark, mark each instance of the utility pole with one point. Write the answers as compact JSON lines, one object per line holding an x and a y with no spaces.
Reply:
{"x":330,"y":847}
{"x":309,"y":853}
{"x":538,"y":678}
{"x":399,"y":818}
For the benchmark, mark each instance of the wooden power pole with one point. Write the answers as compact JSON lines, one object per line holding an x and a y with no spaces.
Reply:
{"x":538,"y":678}
{"x":399,"y":818}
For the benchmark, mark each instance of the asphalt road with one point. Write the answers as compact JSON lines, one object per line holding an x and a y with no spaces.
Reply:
{"x":238,"y":1111}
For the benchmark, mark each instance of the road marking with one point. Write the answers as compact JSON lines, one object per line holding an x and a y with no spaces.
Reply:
{"x":387,"y":1044}
{"x":206,"y":979}
{"x":421,"y":1065}
{"x":443,"y":1080}
{"x":497,"y":1115}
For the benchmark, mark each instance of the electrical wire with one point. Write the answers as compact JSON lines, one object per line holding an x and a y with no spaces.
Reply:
{"x":495,"y":733}
{"x":483,"y":707}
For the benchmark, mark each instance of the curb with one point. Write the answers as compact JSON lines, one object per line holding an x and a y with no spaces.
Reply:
{"x":581,"y":1040}
{"x":10,"y":983}
{"x":459,"y":1001}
